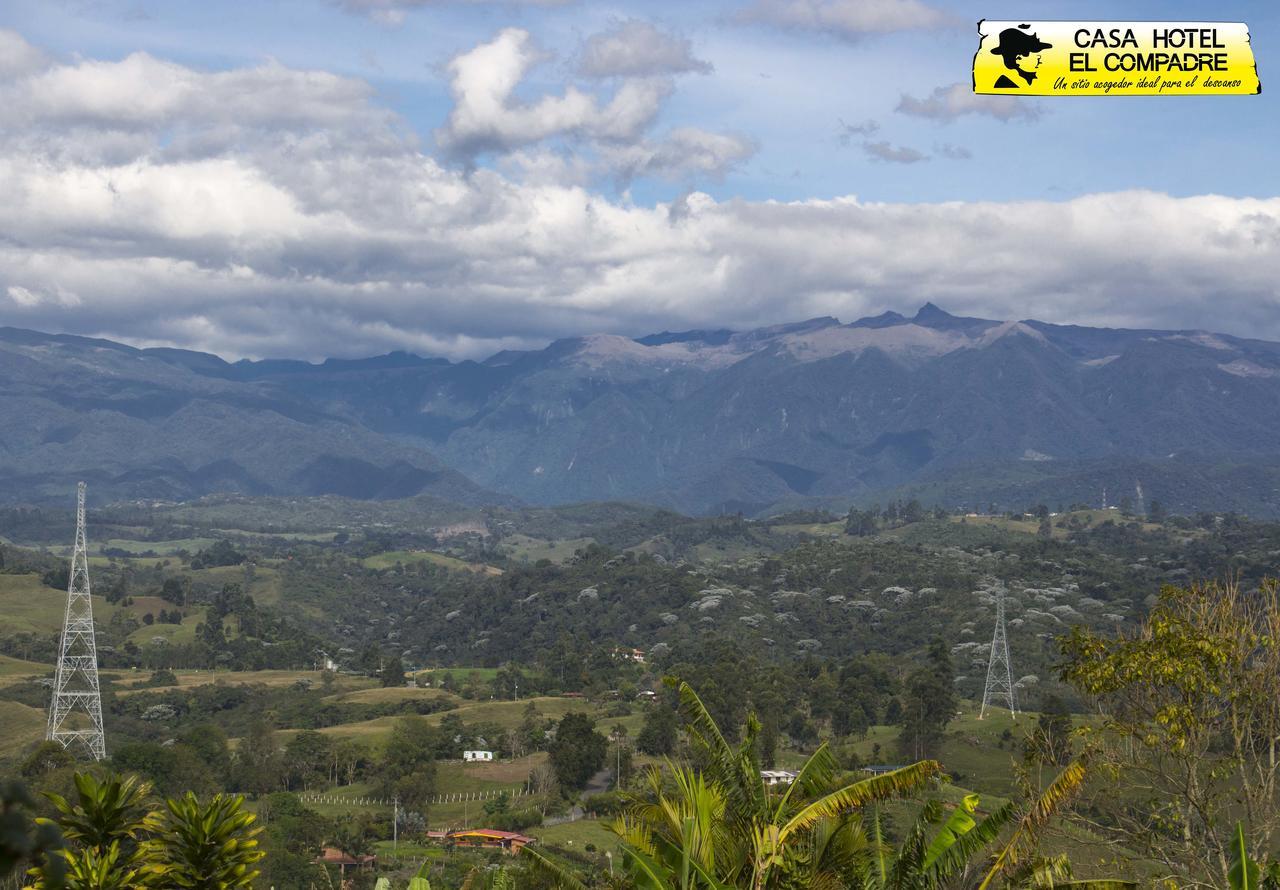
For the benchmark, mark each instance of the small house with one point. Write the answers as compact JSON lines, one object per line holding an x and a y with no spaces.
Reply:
{"x":335,"y":856}
{"x":773,"y":777}
{"x":477,"y":756}
{"x":507,"y":841}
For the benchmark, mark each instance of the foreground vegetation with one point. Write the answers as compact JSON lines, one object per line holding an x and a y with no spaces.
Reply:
{"x":333,"y":672}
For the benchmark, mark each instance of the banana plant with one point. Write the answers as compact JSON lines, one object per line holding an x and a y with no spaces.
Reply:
{"x":1246,"y":873}
{"x":419,"y":881}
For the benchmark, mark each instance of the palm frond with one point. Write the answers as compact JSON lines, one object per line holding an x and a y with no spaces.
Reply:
{"x":898,"y":783}
{"x":956,"y":858}
{"x":559,"y":875}
{"x":958,"y":824}
{"x":1022,"y":842}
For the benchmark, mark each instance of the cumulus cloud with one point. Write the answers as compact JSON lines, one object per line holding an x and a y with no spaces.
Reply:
{"x":17,"y":56}
{"x":883,"y":150}
{"x":638,"y":49}
{"x":393,"y":12}
{"x":846,"y":19}
{"x":324,"y":229}
{"x":947,"y":103}
{"x":488,"y":117}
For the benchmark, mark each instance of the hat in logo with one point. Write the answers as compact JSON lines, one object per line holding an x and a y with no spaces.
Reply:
{"x":1015,"y":42}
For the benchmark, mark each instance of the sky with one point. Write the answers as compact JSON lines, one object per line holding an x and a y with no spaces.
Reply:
{"x":313,"y":178}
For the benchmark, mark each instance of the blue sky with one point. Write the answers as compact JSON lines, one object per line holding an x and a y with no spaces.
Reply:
{"x":777,"y":98}
{"x":787,"y":91}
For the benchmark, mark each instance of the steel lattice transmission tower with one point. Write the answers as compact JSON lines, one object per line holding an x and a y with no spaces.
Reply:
{"x":999,"y":668}
{"x":76,"y":698}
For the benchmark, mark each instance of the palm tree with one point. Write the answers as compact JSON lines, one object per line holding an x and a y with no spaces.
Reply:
{"x":719,"y":825}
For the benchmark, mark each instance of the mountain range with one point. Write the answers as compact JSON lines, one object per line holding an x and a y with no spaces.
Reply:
{"x":954,"y":410}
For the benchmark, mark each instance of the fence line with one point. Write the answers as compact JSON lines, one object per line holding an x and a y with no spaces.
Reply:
{"x":434,"y":800}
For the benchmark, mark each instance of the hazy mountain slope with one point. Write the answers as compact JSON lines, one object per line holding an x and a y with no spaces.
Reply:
{"x":704,"y":421}
{"x":145,"y":424}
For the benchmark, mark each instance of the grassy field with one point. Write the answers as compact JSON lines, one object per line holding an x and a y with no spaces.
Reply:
{"x":505,"y":714}
{"x":29,"y":606}
{"x":23,"y":726}
{"x":971,"y":752}
{"x":160,"y":548}
{"x":817,"y":529}
{"x":1031,"y":526}
{"x":527,"y":549}
{"x":389,"y":559}
{"x":188,"y":679}
{"x":13,"y":670}
{"x":577,"y":835}
{"x":378,"y":695}
{"x":459,"y":674}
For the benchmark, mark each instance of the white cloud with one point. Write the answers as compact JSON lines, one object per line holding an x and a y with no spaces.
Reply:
{"x":487,"y":116}
{"x":947,"y":103}
{"x":638,"y":49}
{"x":22,"y":296}
{"x":299,"y":218}
{"x":847,"y":19}
{"x":17,"y":57}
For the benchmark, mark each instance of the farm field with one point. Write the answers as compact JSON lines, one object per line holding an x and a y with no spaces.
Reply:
{"x":404,"y":557}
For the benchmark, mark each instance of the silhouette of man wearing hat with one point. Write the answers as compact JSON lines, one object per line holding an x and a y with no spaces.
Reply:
{"x":1017,"y":46}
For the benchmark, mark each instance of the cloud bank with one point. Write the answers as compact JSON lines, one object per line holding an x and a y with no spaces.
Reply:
{"x":274,"y":211}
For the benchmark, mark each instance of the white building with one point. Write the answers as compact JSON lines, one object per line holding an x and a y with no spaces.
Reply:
{"x":777,"y":776}
{"x":477,"y":756}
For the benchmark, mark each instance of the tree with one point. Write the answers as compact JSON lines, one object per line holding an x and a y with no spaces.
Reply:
{"x":44,"y":758}
{"x":928,"y":704}
{"x":1050,"y":741}
{"x":860,"y":523}
{"x":307,"y":757}
{"x":529,"y":734}
{"x":209,"y":743}
{"x":578,"y":751}
{"x":392,"y":671}
{"x":658,"y":733}
{"x":410,"y":752}
{"x":1045,"y":531}
{"x":258,"y":768}
{"x":1191,"y":704}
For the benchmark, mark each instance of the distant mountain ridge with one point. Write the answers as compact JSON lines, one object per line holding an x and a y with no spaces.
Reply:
{"x":956,"y":410}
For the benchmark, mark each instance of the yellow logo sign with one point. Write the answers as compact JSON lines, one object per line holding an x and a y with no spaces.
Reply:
{"x":1114,"y":59}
